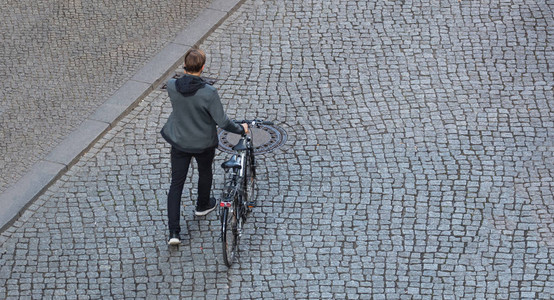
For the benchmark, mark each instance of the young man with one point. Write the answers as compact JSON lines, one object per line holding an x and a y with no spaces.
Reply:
{"x":191,"y":131}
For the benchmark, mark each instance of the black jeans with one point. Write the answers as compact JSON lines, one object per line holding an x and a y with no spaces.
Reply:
{"x":180,"y":162}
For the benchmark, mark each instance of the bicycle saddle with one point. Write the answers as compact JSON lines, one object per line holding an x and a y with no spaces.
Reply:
{"x":240,"y":146}
{"x":232,"y":163}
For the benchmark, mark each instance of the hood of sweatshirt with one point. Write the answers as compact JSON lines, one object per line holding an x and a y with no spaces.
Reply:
{"x":188,"y":85}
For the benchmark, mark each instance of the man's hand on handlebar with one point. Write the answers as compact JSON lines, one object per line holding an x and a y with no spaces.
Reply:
{"x":247,"y":123}
{"x":245,"y":126}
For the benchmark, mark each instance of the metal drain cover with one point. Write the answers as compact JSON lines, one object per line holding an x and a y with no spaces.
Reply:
{"x":266,"y":138}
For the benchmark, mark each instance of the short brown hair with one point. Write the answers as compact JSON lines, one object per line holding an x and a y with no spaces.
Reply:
{"x":194,"y":60}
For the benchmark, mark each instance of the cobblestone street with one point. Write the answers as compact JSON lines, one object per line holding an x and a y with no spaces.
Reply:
{"x":418,"y":165}
{"x":59,"y":60}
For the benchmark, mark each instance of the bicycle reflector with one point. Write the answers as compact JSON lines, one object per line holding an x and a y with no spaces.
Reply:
{"x":225,"y":204}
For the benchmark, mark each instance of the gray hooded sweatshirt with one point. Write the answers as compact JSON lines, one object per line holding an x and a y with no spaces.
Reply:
{"x":197,"y":110}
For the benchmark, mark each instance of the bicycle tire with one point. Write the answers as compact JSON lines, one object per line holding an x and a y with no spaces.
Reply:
{"x":249,"y":188}
{"x":229,"y":234}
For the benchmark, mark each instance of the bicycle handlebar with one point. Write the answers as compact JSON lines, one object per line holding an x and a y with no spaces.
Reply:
{"x":253,"y":122}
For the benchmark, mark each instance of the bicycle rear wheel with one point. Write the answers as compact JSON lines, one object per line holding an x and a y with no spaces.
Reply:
{"x":230,"y":233}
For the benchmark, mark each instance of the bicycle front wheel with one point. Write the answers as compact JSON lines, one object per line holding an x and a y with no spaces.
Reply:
{"x":229,"y":234}
{"x":250,"y":182}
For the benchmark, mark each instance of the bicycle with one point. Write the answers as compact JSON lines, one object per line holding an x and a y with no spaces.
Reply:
{"x":240,"y":191}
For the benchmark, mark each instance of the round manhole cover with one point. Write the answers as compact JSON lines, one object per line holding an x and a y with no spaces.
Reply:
{"x":266,"y":138}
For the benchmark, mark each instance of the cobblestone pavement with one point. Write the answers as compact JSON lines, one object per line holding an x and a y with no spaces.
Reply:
{"x":60,"y":60}
{"x":418,"y":165}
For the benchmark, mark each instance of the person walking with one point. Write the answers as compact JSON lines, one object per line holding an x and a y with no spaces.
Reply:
{"x":191,"y":130}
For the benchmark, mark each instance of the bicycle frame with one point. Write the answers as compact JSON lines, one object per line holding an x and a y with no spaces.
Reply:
{"x":239,"y":188}
{"x":237,"y":166}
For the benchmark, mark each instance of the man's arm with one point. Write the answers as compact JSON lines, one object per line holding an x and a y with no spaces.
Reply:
{"x":220,"y":117}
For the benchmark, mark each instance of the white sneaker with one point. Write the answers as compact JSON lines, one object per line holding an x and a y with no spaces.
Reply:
{"x":174,"y":239}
